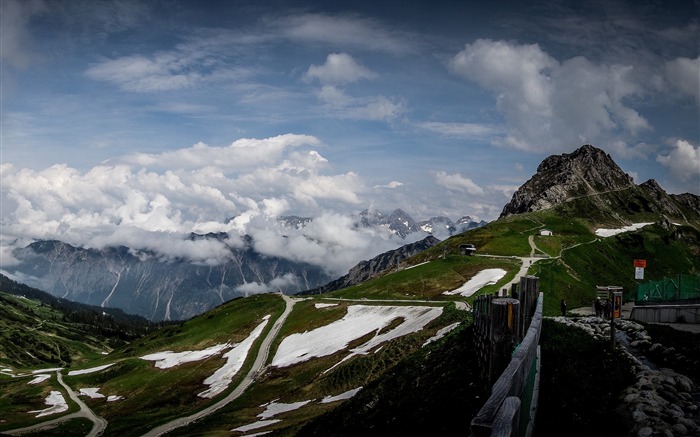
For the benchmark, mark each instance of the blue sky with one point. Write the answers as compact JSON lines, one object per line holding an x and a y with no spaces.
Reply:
{"x":173,"y":116}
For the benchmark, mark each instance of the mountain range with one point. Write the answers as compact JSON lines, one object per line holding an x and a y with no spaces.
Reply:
{"x":382,"y":350}
{"x":143,"y":283}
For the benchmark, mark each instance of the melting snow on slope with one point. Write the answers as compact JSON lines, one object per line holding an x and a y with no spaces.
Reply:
{"x":341,"y":397}
{"x":57,"y":404}
{"x":255,"y":425}
{"x":359,"y":321}
{"x":610,"y":232}
{"x":325,"y":305}
{"x":274,"y":408}
{"x":91,"y":392}
{"x":169,"y":359}
{"x":39,"y":378}
{"x":480,"y":280}
{"x":235,"y":359}
{"x":441,"y":333}
{"x":90,"y":370}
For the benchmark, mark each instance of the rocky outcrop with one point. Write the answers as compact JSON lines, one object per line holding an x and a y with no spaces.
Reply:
{"x":589,"y":183}
{"x":661,"y":402}
{"x":588,"y":170}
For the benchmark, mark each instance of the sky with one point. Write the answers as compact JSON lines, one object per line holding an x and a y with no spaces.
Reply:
{"x":134,"y":122}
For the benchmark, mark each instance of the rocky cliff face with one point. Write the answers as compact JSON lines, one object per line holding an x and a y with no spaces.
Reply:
{"x":588,"y":182}
{"x":586,"y":171}
{"x":151,"y":287}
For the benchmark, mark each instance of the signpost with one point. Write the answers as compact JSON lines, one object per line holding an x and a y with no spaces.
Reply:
{"x":639,"y":266}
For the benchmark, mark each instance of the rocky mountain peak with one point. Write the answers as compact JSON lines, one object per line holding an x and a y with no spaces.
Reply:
{"x":586,"y":171}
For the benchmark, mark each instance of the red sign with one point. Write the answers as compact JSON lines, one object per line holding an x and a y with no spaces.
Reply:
{"x":640,"y":263}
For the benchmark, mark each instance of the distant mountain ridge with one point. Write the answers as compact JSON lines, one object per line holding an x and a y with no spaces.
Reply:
{"x":589,"y":183}
{"x":149,"y":286}
{"x":143,"y":283}
{"x":399,"y":223}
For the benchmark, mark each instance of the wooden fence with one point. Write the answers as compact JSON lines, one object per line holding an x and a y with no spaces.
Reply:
{"x":503,"y":325}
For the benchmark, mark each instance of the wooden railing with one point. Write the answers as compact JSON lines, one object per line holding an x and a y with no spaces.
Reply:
{"x":513,"y":376}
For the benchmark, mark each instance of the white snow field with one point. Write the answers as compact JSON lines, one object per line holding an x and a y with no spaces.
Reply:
{"x":234,"y":361}
{"x":255,"y":425}
{"x":91,"y":392}
{"x":341,"y":397}
{"x":274,"y":408}
{"x":360,"y":320}
{"x":167,"y":359}
{"x":610,"y":232}
{"x":52,"y":369}
{"x":57,"y":404}
{"x":478,"y":281}
{"x":441,"y":333}
{"x":90,"y":370}
{"x":39,"y":378}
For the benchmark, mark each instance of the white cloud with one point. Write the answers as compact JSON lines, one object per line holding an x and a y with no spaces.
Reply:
{"x":15,"y":43}
{"x":342,"y":31}
{"x":462,"y":130}
{"x":550,"y":105}
{"x":683,"y":161}
{"x":683,"y":74}
{"x":507,"y":190}
{"x":276,"y":284}
{"x":390,"y":185}
{"x":639,"y":151}
{"x":243,"y":153}
{"x":340,"y":68}
{"x":242,"y":191}
{"x":457,"y":182}
{"x":378,"y":108}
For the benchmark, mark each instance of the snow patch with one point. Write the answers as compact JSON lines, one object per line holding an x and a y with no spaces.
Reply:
{"x":325,"y":305}
{"x":57,"y":405}
{"x":53,"y":369}
{"x":90,"y":370}
{"x":341,"y":397}
{"x":39,"y":379}
{"x":610,"y":232}
{"x":441,"y":333}
{"x":359,"y":321}
{"x":256,"y":425}
{"x":234,"y":361}
{"x":91,"y":392}
{"x":167,"y":359}
{"x":478,"y":281}
{"x":114,"y":398}
{"x":274,"y":408}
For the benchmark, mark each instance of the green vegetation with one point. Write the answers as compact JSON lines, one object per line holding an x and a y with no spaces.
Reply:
{"x":33,"y":334}
{"x":609,"y":261}
{"x":428,"y":281}
{"x":408,"y":388}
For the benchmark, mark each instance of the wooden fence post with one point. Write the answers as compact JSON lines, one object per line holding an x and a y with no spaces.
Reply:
{"x":504,"y":333}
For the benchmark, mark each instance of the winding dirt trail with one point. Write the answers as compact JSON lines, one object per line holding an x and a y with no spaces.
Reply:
{"x":98,"y":427}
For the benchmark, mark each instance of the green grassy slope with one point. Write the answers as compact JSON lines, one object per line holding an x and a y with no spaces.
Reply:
{"x":33,"y":334}
{"x":406,"y":385}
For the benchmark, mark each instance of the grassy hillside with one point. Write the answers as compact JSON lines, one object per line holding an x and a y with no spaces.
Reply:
{"x":427,"y":281}
{"x":35,"y":334}
{"x":408,"y":387}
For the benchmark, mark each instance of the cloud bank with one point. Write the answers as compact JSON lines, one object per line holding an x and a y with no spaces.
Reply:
{"x":549,"y":104}
{"x":155,"y":202}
